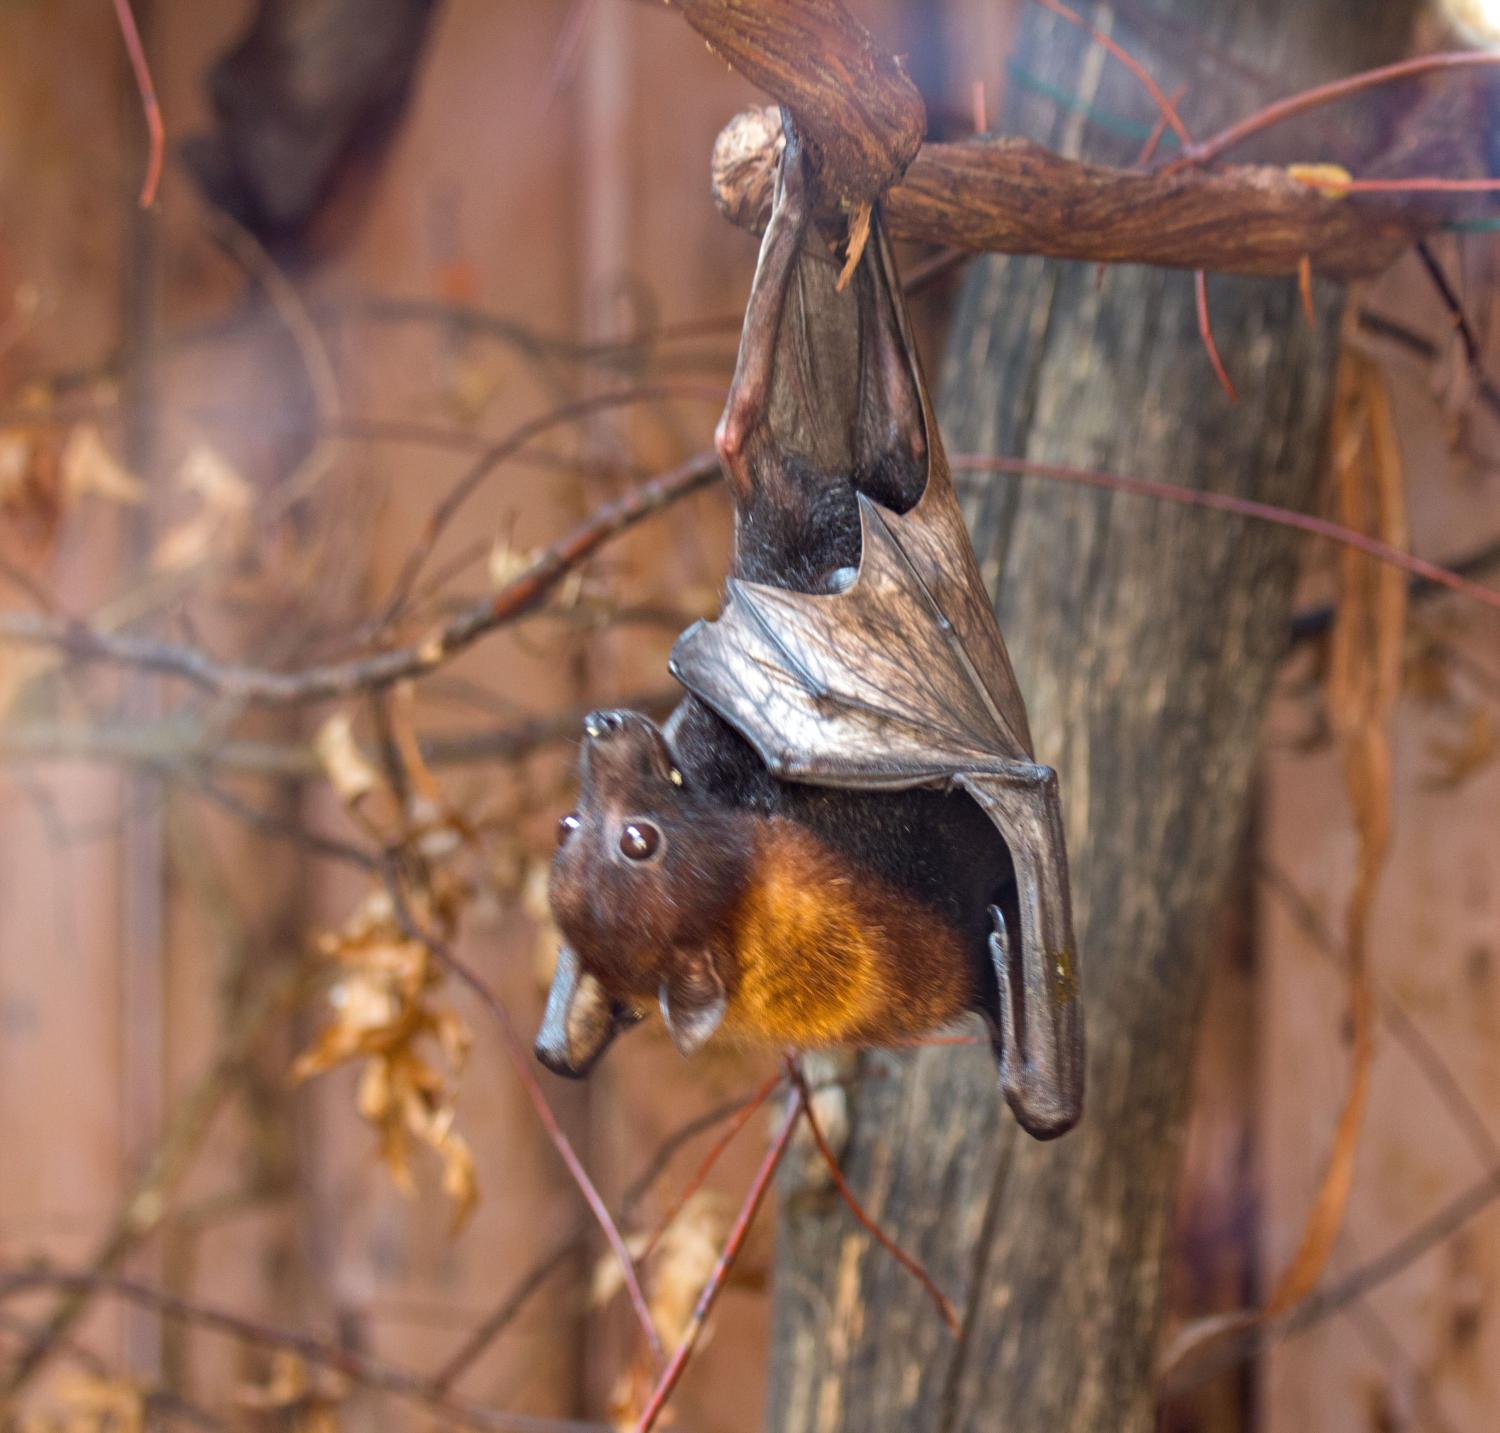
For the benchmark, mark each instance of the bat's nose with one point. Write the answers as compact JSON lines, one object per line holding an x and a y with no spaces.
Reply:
{"x":602,"y":725}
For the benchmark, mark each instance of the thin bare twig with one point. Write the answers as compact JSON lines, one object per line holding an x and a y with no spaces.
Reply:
{"x":1241,"y":507}
{"x":1427,"y":1057}
{"x":1206,"y":333}
{"x":251,"y":684}
{"x":366,"y":1371}
{"x":487,"y":462}
{"x":147,"y":1201}
{"x":1442,"y":1224}
{"x":1165,"y":105}
{"x":741,"y":1118}
{"x":1319,"y":95}
{"x":155,"y":130}
{"x":520,"y":1059}
{"x":911,"y":1265}
{"x":494,"y":1323}
{"x":180,"y":748}
{"x":711,"y":1290}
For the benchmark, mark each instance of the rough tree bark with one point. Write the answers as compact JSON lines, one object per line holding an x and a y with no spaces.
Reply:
{"x":1145,"y":639}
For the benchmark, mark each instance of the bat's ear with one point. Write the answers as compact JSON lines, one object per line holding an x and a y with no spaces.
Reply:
{"x":579,"y":1022}
{"x":693,"y":1000}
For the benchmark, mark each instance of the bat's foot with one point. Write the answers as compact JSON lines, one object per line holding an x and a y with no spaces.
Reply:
{"x":750,"y":393}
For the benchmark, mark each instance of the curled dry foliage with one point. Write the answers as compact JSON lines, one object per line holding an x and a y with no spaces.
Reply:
{"x":383,"y":1014}
{"x":291,"y":1398}
{"x":91,"y":1403}
{"x":382,"y":996}
{"x":1364,"y":683}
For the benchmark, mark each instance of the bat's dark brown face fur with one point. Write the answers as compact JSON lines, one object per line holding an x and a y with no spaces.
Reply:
{"x":645,"y":866}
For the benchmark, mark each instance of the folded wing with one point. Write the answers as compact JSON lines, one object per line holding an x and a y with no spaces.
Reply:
{"x":897,"y":681}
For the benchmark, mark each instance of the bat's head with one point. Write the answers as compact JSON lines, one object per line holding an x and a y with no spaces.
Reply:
{"x":646,"y":876}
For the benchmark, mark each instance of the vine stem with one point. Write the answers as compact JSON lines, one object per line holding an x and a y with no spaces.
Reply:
{"x":731,"y":1250}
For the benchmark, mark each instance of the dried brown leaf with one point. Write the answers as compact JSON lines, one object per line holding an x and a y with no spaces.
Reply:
{"x":220,"y":525}
{"x":381,"y":1001}
{"x":1459,"y":760}
{"x":859,"y":236}
{"x":506,"y":563}
{"x":1330,"y":180}
{"x":1364,"y":682}
{"x":90,"y":469}
{"x":679,"y":1265}
{"x":290,"y":1399}
{"x":350,"y":772}
{"x":95,"y":1403}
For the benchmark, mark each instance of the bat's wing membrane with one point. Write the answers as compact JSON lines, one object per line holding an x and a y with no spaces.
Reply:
{"x":1040,"y":1036}
{"x":875,"y":686}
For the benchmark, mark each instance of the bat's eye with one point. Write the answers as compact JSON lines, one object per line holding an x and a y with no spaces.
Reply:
{"x":566,"y":827}
{"x":640,"y":840}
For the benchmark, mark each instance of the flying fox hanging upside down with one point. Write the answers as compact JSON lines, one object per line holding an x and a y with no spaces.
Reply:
{"x":839,"y":837}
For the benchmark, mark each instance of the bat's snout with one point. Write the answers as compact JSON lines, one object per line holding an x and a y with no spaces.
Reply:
{"x":579,"y":1021}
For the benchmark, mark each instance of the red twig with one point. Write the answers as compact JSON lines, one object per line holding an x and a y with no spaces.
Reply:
{"x":726,"y":1137}
{"x":711,"y":1290}
{"x":1167,"y":110}
{"x":911,"y":1265}
{"x":1148,"y":149}
{"x":1206,"y":333}
{"x":1163,"y":103}
{"x":1275,"y":113}
{"x":520,"y":1059}
{"x":155,"y":130}
{"x":1241,"y":507}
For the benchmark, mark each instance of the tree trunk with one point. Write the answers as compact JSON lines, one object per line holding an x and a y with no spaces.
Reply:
{"x":1145,"y":637}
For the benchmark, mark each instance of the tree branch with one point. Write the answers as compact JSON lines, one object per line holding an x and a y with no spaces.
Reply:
{"x":1012,"y":196}
{"x":861,"y":117}
{"x":79,"y":642}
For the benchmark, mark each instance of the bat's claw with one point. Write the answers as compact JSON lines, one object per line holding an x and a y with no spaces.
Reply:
{"x":1045,"y":1103}
{"x":793,"y":176}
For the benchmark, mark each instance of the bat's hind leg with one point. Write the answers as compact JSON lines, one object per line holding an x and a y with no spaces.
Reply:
{"x":749,"y":400}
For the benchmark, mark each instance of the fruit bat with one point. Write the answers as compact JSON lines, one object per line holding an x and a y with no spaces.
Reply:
{"x":840,"y":836}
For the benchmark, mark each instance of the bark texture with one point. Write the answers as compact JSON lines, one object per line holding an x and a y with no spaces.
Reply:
{"x":1145,"y":638}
